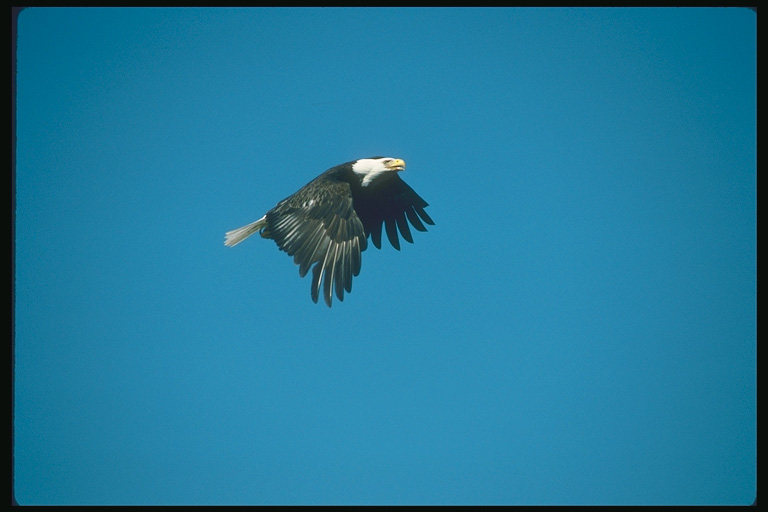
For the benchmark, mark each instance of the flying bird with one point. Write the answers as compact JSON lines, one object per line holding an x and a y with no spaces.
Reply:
{"x":325,"y":225}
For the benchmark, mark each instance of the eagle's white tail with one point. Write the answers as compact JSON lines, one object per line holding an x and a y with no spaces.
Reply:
{"x":236,"y":236}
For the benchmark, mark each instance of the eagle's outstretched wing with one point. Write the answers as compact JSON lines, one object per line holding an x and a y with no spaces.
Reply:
{"x":318,"y":226}
{"x":390,"y":201}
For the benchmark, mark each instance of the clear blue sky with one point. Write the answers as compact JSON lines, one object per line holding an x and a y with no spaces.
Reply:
{"x":577,"y":328}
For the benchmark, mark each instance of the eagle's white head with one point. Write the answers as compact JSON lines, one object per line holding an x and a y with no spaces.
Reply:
{"x":373,"y":168}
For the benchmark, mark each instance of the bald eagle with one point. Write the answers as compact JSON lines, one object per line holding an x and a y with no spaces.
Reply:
{"x":325,"y":225}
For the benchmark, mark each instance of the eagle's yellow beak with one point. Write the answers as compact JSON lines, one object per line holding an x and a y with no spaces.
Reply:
{"x":396,"y":165}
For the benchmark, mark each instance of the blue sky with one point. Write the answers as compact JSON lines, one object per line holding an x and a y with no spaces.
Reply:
{"x":577,"y":328}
